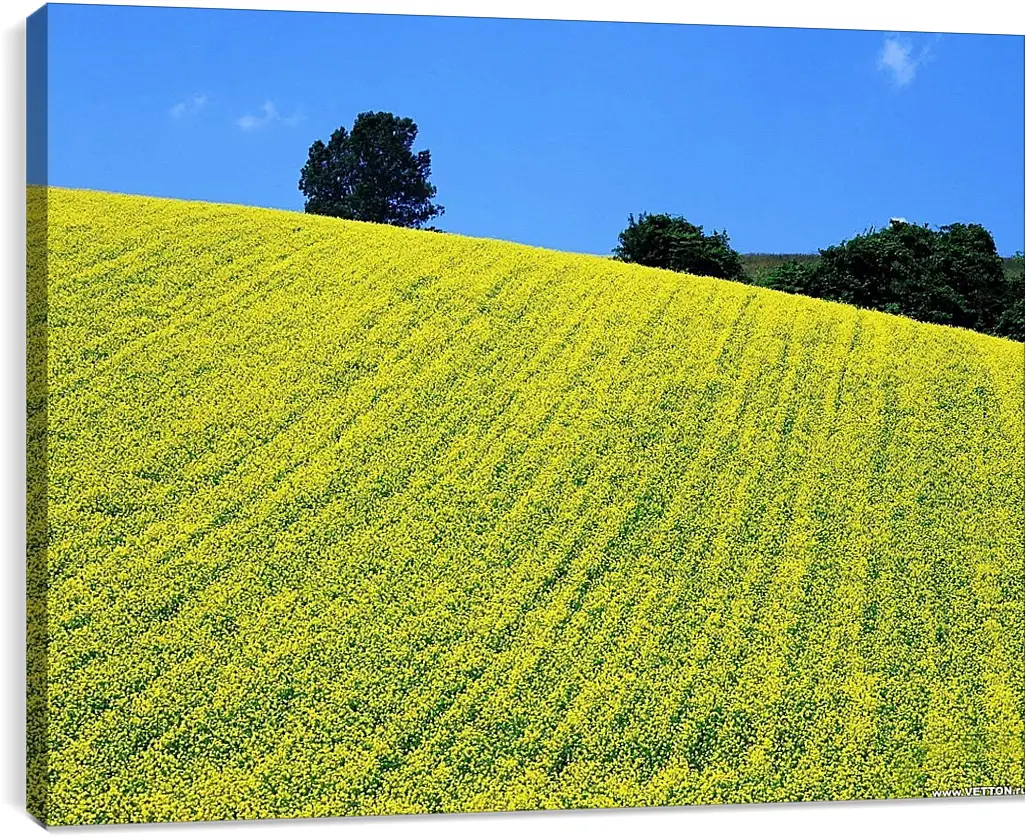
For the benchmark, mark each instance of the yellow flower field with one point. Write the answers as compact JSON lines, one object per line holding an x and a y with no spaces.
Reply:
{"x":333,"y":518}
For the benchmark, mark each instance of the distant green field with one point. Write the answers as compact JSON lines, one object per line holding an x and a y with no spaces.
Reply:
{"x":758,"y":265}
{"x":1014,"y":268}
{"x":333,"y":518}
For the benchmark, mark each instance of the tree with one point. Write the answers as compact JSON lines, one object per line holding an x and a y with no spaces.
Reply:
{"x":951,"y":275}
{"x":371,"y":174}
{"x":674,"y":243}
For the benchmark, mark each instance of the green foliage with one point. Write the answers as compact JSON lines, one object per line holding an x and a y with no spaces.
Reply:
{"x":673,"y":243}
{"x":371,"y":174}
{"x":792,"y":276}
{"x":1010,"y":322}
{"x":759,"y":266}
{"x":951,"y":275}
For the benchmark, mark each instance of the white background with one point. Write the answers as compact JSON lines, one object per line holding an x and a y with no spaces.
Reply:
{"x":991,"y":816}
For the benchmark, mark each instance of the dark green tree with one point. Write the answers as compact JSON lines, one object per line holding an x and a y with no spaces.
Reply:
{"x":371,"y":173}
{"x":951,"y":275}
{"x":674,"y":243}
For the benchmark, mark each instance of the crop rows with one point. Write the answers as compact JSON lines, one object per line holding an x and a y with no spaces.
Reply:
{"x":346,"y":519}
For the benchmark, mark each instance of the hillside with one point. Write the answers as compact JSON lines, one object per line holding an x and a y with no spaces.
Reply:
{"x":343,"y":518}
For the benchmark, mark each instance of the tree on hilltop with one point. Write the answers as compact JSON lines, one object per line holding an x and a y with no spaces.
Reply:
{"x":951,"y":275}
{"x":371,"y":173}
{"x":674,"y":243}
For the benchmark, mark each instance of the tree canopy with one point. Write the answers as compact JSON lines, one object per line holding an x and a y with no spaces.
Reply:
{"x":952,"y":275}
{"x":674,"y":243}
{"x":371,"y":173}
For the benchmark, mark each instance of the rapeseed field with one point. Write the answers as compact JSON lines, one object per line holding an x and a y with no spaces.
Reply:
{"x":332,"y":518}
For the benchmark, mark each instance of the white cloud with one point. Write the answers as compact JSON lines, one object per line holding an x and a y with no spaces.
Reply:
{"x":194,"y":104}
{"x":900,"y":61}
{"x":268,"y":114}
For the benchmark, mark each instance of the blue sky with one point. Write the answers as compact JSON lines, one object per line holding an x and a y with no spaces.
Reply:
{"x":550,"y":132}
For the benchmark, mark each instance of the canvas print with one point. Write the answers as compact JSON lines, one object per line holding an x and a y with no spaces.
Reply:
{"x":439,"y":414}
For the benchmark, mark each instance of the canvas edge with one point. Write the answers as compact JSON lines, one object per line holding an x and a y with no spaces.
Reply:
{"x":36,"y":614}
